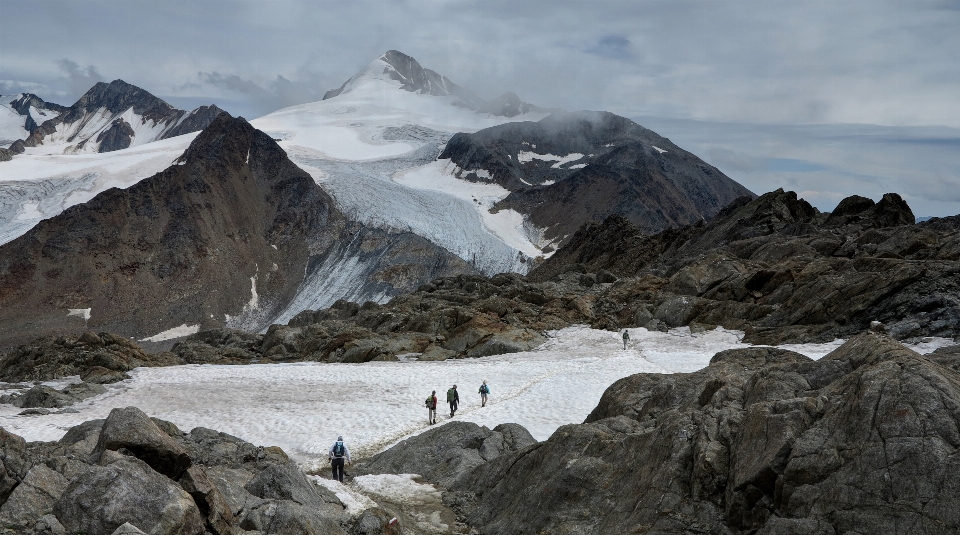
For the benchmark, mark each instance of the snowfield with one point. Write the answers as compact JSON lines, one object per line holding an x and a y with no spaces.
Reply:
{"x":302,"y":407}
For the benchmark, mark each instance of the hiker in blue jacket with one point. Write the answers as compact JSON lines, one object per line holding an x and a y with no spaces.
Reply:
{"x":484,"y":391}
{"x":338,"y":454}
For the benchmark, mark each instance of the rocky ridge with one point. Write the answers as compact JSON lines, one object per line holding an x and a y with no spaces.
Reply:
{"x":572,"y":168}
{"x":770,"y":266}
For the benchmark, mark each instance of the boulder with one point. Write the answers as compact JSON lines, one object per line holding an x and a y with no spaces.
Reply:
{"x":101,"y":376}
{"x":285,"y":517}
{"x":103,"y":499}
{"x":231,"y":482}
{"x":442,"y":453}
{"x":15,"y":463}
{"x":287,"y":482}
{"x":45,"y":397}
{"x":209,"y":500}
{"x":127,"y":529}
{"x":129,"y":428}
{"x":33,"y":498}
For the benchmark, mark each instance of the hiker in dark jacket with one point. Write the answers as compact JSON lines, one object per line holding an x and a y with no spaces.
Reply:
{"x":626,"y":338}
{"x":453,"y":398}
{"x":338,"y":454}
{"x":432,"y":408}
{"x":484,"y":391}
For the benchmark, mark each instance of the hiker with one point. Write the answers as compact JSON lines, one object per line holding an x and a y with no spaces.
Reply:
{"x":453,"y":398}
{"x":338,"y":454}
{"x":432,"y":408}
{"x":484,"y":390}
{"x":626,"y":338}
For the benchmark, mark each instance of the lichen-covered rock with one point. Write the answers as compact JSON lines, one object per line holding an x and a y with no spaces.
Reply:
{"x":15,"y":462}
{"x":127,"y":490}
{"x":33,"y":498}
{"x":130,"y":429}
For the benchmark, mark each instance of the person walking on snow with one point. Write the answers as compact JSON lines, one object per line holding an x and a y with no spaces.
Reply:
{"x":432,"y":408}
{"x":484,"y":390}
{"x":626,"y":338}
{"x":453,"y":398}
{"x":338,"y":454}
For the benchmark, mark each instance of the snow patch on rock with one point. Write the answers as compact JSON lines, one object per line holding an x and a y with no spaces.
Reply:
{"x":170,"y":334}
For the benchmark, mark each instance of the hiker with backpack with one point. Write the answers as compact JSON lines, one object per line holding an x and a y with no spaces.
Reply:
{"x":453,"y":398}
{"x":626,"y":338}
{"x":338,"y":454}
{"x":431,"y":404}
{"x":484,"y":390}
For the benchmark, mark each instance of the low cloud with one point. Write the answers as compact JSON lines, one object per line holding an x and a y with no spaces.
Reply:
{"x":611,"y":46}
{"x":79,"y":79}
{"x":277,"y":93}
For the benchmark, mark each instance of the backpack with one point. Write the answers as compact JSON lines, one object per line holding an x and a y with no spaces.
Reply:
{"x":484,"y":389}
{"x":429,"y":402}
{"x":338,"y":449}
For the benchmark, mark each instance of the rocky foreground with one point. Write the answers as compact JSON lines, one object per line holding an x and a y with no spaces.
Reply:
{"x":762,"y":441}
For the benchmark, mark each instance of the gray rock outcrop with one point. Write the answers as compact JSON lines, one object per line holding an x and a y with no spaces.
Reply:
{"x":131,"y":430}
{"x":131,"y":474}
{"x":127,"y":490}
{"x":442,"y":453}
{"x":865,"y":440}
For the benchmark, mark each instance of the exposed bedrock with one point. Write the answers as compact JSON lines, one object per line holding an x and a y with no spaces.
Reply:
{"x":865,"y":440}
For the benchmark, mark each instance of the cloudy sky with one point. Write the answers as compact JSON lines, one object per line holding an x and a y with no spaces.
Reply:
{"x":828,"y":98}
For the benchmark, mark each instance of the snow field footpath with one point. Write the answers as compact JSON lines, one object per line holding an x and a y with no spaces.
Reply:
{"x":302,"y":407}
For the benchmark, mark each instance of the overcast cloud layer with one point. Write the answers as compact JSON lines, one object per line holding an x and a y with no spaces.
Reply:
{"x":774,"y":63}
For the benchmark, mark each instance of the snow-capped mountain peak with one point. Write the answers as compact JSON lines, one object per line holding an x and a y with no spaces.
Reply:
{"x":108,"y":117}
{"x":396,"y":70}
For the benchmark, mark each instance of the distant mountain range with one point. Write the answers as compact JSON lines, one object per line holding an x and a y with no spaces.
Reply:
{"x":395,"y":178}
{"x":106,"y":118}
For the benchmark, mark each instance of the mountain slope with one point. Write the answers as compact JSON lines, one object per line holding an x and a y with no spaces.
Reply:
{"x":21,"y":114}
{"x":571,"y":168}
{"x":230,"y":235}
{"x":115,"y":116}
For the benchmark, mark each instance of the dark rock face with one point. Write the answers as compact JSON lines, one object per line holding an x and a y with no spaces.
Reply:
{"x":776,"y":268}
{"x":228,"y":231}
{"x":13,"y":455}
{"x":414,"y":78}
{"x":622,"y":169}
{"x":114,"y":99}
{"x":117,"y":137}
{"x":443,"y":453}
{"x":762,"y":441}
